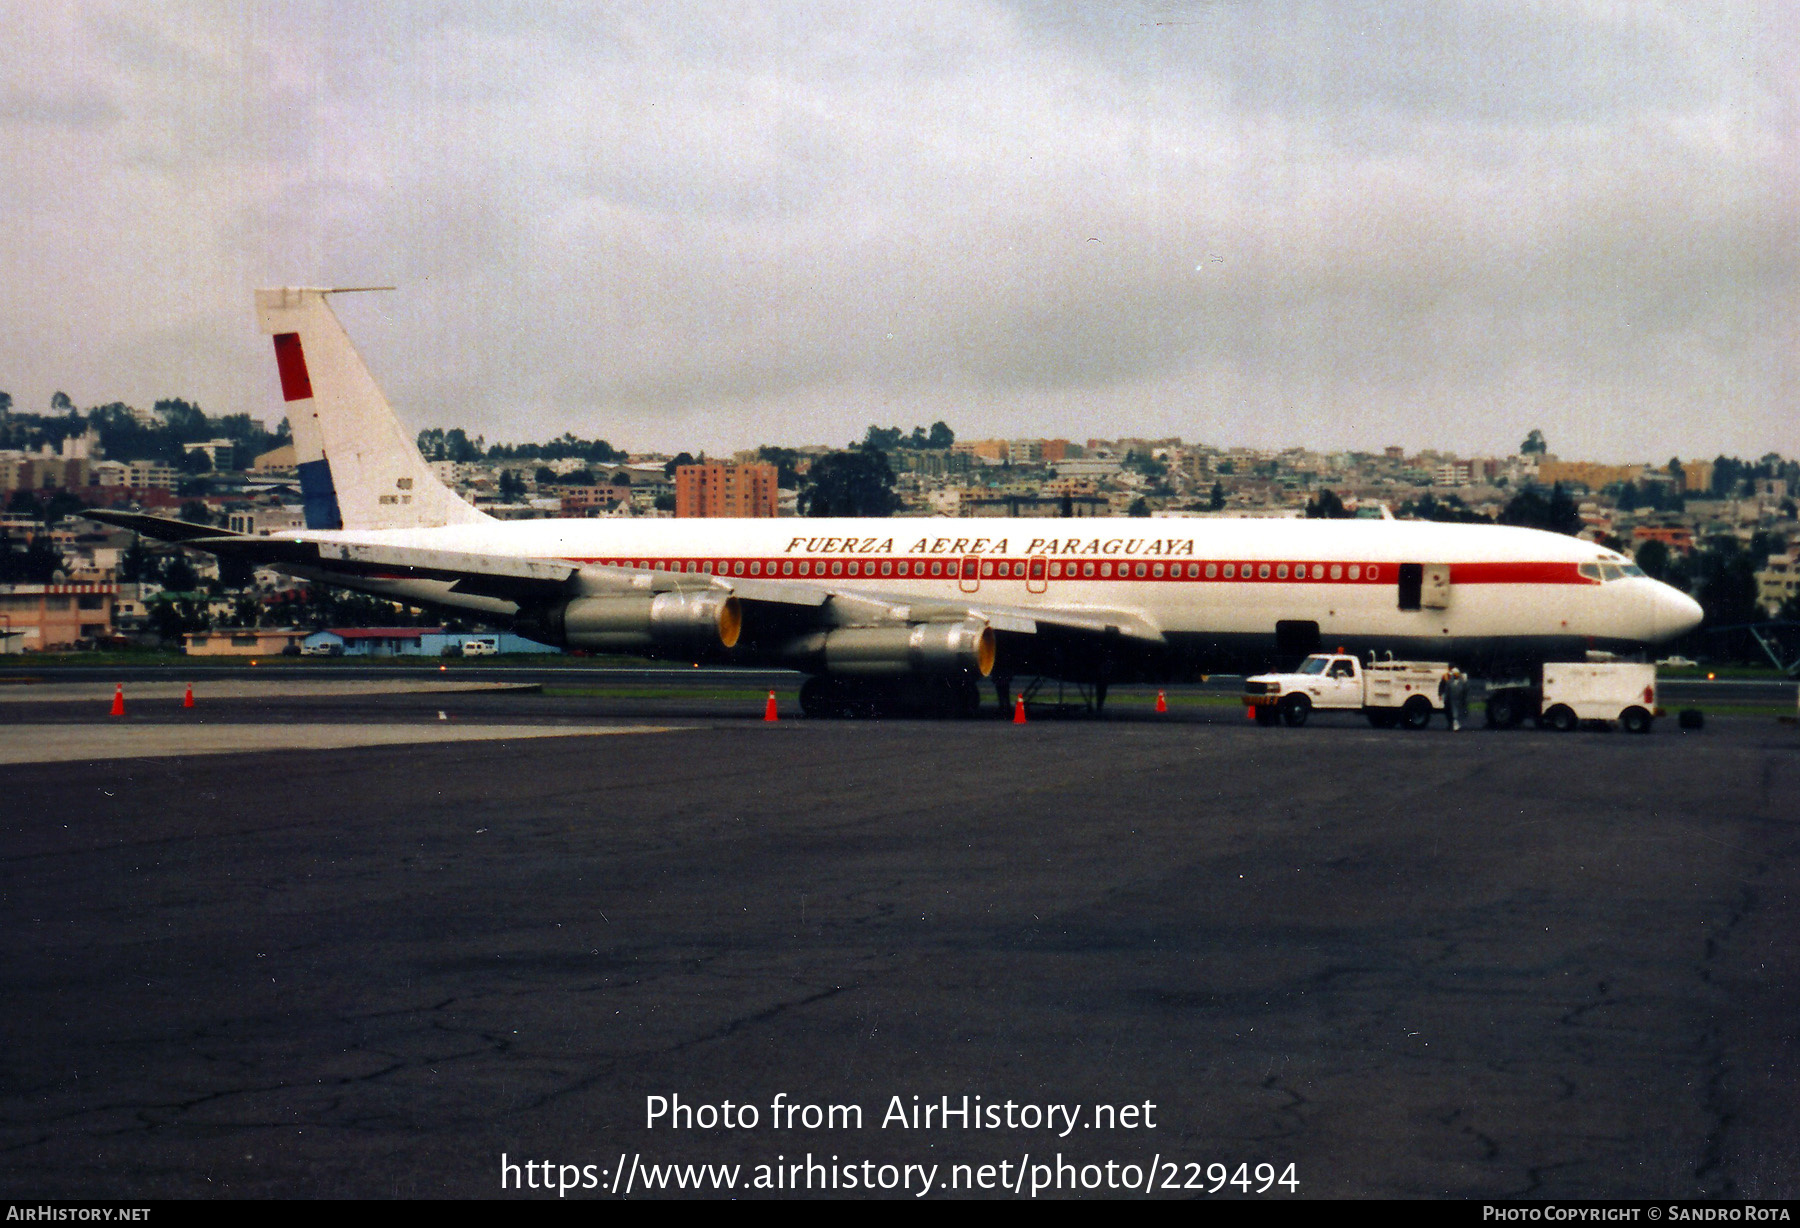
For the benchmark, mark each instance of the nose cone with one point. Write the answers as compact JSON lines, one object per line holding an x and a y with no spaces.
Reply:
{"x":1676,"y":613}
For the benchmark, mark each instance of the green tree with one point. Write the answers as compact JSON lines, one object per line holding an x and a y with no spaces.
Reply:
{"x":1216,"y":502}
{"x":681,"y":458}
{"x":786,"y":462}
{"x":1531,"y":508}
{"x":1327,"y":506}
{"x":179,"y":576}
{"x":858,"y":483}
{"x":1659,"y":562}
{"x":940,"y":436}
{"x":1534,"y":444}
{"x":512,"y":486}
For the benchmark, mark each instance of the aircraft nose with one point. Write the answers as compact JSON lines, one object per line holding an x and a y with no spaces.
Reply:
{"x":1676,"y":612}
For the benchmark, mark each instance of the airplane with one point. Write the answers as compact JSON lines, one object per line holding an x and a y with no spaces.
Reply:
{"x":887,"y":612}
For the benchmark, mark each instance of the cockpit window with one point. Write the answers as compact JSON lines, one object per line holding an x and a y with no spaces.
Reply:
{"x":1313,"y":665}
{"x":1611,"y":571}
{"x":1589,"y":571}
{"x":1632,"y":569}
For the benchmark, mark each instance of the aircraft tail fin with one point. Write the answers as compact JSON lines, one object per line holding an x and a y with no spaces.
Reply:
{"x":358,"y":467}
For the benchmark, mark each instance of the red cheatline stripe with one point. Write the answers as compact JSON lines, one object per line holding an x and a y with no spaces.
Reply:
{"x":1517,"y":573}
{"x":1384,"y":574}
{"x":295,"y":385}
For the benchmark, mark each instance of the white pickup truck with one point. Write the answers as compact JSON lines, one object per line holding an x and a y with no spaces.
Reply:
{"x":1389,"y":693}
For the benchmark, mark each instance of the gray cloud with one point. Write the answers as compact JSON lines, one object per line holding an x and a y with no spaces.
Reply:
{"x":1342,"y":224}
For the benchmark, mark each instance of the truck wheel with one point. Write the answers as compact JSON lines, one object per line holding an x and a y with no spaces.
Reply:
{"x":1416,"y":714}
{"x":1266,"y":715}
{"x":1501,"y":713}
{"x":1636,"y":720}
{"x":1294,"y":710}
{"x":1561,"y":718}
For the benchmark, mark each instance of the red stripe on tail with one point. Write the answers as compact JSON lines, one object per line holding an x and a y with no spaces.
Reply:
{"x":295,"y":384}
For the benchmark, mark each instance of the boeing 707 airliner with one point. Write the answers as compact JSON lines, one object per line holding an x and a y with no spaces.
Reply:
{"x":876,"y":608}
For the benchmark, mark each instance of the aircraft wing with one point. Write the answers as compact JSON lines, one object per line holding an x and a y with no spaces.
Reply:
{"x":528,"y":582}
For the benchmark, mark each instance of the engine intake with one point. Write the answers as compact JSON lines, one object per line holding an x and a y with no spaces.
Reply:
{"x":688,"y":621}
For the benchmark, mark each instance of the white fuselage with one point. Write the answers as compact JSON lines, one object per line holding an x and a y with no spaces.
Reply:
{"x":1222,"y":579}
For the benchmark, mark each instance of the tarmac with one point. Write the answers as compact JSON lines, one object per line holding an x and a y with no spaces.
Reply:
{"x":1483,"y":965}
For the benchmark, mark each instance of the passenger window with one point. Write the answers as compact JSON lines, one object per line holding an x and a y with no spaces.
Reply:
{"x":1355,"y":571}
{"x":1105,"y":571}
{"x":756,"y":569}
{"x":1262,"y":573}
{"x":1374,"y":573}
{"x":1318,"y":571}
{"x":987,"y":568}
{"x":1157,"y":571}
{"x":1212,"y":569}
{"x":1087,"y":569}
{"x":837,"y":569}
{"x":937,"y":568}
{"x":1337,"y":571}
{"x":1140,"y":571}
{"x":787,"y":569}
{"x":1193,"y":571}
{"x":887,"y":568}
{"x":1281,"y":572}
{"x":1231,"y":571}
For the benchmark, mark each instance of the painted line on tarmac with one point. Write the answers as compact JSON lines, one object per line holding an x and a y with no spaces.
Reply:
{"x":84,"y":743}
{"x":248,"y":688}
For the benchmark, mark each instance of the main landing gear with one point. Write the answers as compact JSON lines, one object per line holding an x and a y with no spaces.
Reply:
{"x":828,"y":698}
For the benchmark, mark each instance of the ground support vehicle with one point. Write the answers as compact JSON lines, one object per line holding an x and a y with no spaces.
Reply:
{"x":1389,"y":693}
{"x":1563,"y":694}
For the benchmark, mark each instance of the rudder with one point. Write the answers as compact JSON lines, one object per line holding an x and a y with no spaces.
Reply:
{"x":358,"y":468}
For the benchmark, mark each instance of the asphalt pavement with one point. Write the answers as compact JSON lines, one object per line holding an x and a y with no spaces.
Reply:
{"x":1486,"y":964}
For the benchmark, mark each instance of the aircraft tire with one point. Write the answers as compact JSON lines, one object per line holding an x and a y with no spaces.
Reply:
{"x":815,"y":699}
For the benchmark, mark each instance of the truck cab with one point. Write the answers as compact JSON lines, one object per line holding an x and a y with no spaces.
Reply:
{"x":1389,"y":693}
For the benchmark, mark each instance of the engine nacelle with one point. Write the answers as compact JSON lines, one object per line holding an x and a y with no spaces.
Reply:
{"x":691,"y":622}
{"x":891,"y":652}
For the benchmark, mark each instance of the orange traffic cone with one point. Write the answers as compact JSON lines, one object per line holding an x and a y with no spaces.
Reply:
{"x":118,"y":708}
{"x":1249,"y":713}
{"x":187,"y":700}
{"x":1162,"y":704}
{"x":1019,"y":710}
{"x":769,"y":709}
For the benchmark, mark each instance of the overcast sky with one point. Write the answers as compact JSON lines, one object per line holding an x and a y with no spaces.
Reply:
{"x":1335,"y":225}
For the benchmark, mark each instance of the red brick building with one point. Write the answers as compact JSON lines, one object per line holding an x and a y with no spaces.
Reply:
{"x":726,"y":490}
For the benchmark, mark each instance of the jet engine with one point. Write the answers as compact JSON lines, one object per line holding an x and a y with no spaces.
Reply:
{"x":690,"y":622}
{"x":890,"y":652}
